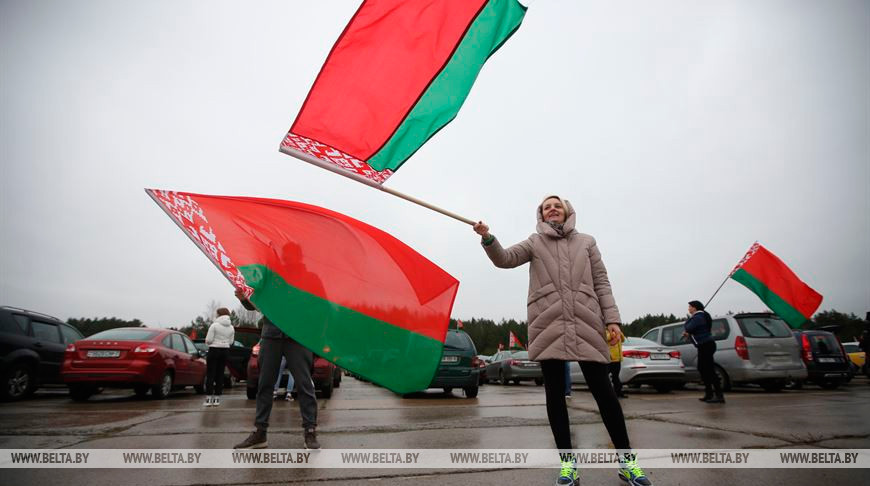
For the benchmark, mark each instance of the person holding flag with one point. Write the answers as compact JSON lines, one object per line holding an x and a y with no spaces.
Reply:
{"x":570,"y":307}
{"x":699,"y":327}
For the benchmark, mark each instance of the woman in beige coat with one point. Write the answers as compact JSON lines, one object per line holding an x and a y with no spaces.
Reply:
{"x":570,"y":307}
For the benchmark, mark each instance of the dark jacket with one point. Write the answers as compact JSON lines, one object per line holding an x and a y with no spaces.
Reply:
{"x":700,"y":327}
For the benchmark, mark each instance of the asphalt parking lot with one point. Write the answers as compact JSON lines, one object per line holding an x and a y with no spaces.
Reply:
{"x":363,"y":416}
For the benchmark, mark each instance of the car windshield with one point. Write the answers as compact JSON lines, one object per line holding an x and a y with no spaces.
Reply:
{"x":520,"y":355}
{"x":851,"y":348}
{"x":763,"y":327}
{"x":638,"y":342}
{"x":125,"y":335}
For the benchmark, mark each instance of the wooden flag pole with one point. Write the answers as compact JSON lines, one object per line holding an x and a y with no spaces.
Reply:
{"x":717,"y":291}
{"x":333,"y":168}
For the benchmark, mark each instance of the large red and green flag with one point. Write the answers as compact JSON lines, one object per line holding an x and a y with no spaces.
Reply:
{"x":777,"y":286}
{"x":398,"y":73}
{"x":348,"y":291}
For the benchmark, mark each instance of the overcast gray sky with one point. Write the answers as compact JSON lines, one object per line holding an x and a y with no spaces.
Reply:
{"x":681,"y":131}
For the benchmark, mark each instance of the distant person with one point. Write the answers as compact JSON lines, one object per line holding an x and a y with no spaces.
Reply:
{"x":570,"y":305}
{"x":219,"y":338}
{"x":700,"y":328}
{"x":289,"y":396}
{"x":616,"y":363}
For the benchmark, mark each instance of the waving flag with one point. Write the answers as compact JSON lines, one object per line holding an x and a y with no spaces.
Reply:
{"x":349,"y":292}
{"x":777,"y":286}
{"x":514,"y":341}
{"x":398,"y":73}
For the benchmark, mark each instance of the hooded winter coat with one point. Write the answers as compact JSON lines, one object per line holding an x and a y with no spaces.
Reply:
{"x":570,"y":300}
{"x":220,"y":333}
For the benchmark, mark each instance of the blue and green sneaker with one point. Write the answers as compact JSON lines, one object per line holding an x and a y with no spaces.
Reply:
{"x":568,"y":474}
{"x":631,"y":473}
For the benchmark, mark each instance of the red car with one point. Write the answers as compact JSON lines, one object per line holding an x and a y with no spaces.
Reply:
{"x":325,"y":375}
{"x":140,"y":358}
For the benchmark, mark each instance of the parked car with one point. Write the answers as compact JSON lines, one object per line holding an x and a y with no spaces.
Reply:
{"x":326,"y":375}
{"x":750,"y":348}
{"x":460,"y":366}
{"x":239,"y":353}
{"x":856,"y":356}
{"x":144,"y":359}
{"x":31,"y":350}
{"x":826,"y":360}
{"x":513,"y":366}
{"x":482,"y":361}
{"x":645,"y":363}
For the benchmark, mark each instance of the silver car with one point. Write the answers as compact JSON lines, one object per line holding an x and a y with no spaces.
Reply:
{"x":645,"y":363}
{"x":513,"y":366}
{"x":750,"y":348}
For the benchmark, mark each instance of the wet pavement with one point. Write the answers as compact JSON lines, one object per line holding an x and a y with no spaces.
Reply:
{"x":363,"y":416}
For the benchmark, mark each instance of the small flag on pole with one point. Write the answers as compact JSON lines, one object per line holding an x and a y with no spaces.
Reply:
{"x":514,"y":341}
{"x":777,"y":286}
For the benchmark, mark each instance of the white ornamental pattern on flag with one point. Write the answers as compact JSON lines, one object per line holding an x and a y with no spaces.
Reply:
{"x":187,"y":214}
{"x":334,"y":156}
{"x":752,"y":250}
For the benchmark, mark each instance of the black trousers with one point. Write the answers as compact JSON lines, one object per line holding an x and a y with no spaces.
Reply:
{"x":614,"y":367}
{"x":599,"y":384}
{"x":706,"y":367}
{"x":216,"y":360}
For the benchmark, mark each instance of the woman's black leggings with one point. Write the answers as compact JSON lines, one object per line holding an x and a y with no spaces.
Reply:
{"x":598,"y":380}
{"x":214,"y":377}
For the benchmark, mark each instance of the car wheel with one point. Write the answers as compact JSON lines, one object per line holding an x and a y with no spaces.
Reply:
{"x":793,"y":384}
{"x":326,"y":391}
{"x":663,"y":388}
{"x":336,"y":382}
{"x":252,"y":392}
{"x":501,"y":378}
{"x":162,"y":389}
{"x":470,"y":391}
{"x":539,"y":381}
{"x":200,"y":389}
{"x":723,"y":379}
{"x":18,"y":382}
{"x":81,"y":393}
{"x":448,"y":389}
{"x":141,"y":390}
{"x":829,"y":385}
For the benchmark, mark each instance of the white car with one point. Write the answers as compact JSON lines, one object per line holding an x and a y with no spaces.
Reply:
{"x":645,"y":363}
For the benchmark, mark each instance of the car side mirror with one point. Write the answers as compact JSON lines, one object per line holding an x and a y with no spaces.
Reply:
{"x":201,"y":353}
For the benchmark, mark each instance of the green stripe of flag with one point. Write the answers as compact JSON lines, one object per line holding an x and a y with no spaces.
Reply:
{"x":354,"y":341}
{"x":498,"y":20}
{"x":779,"y":306}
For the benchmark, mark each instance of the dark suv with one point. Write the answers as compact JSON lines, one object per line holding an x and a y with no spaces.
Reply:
{"x":826,"y":361}
{"x":460,"y":366}
{"x":32,"y":347}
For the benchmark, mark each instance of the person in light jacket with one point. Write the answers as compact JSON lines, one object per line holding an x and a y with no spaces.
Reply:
{"x":219,"y":338}
{"x":570,"y":307}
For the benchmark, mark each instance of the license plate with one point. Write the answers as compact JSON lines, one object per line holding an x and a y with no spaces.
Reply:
{"x":450,"y":359}
{"x":828,"y":360}
{"x":97,"y":353}
{"x":531,"y":365}
{"x":659,"y":356}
